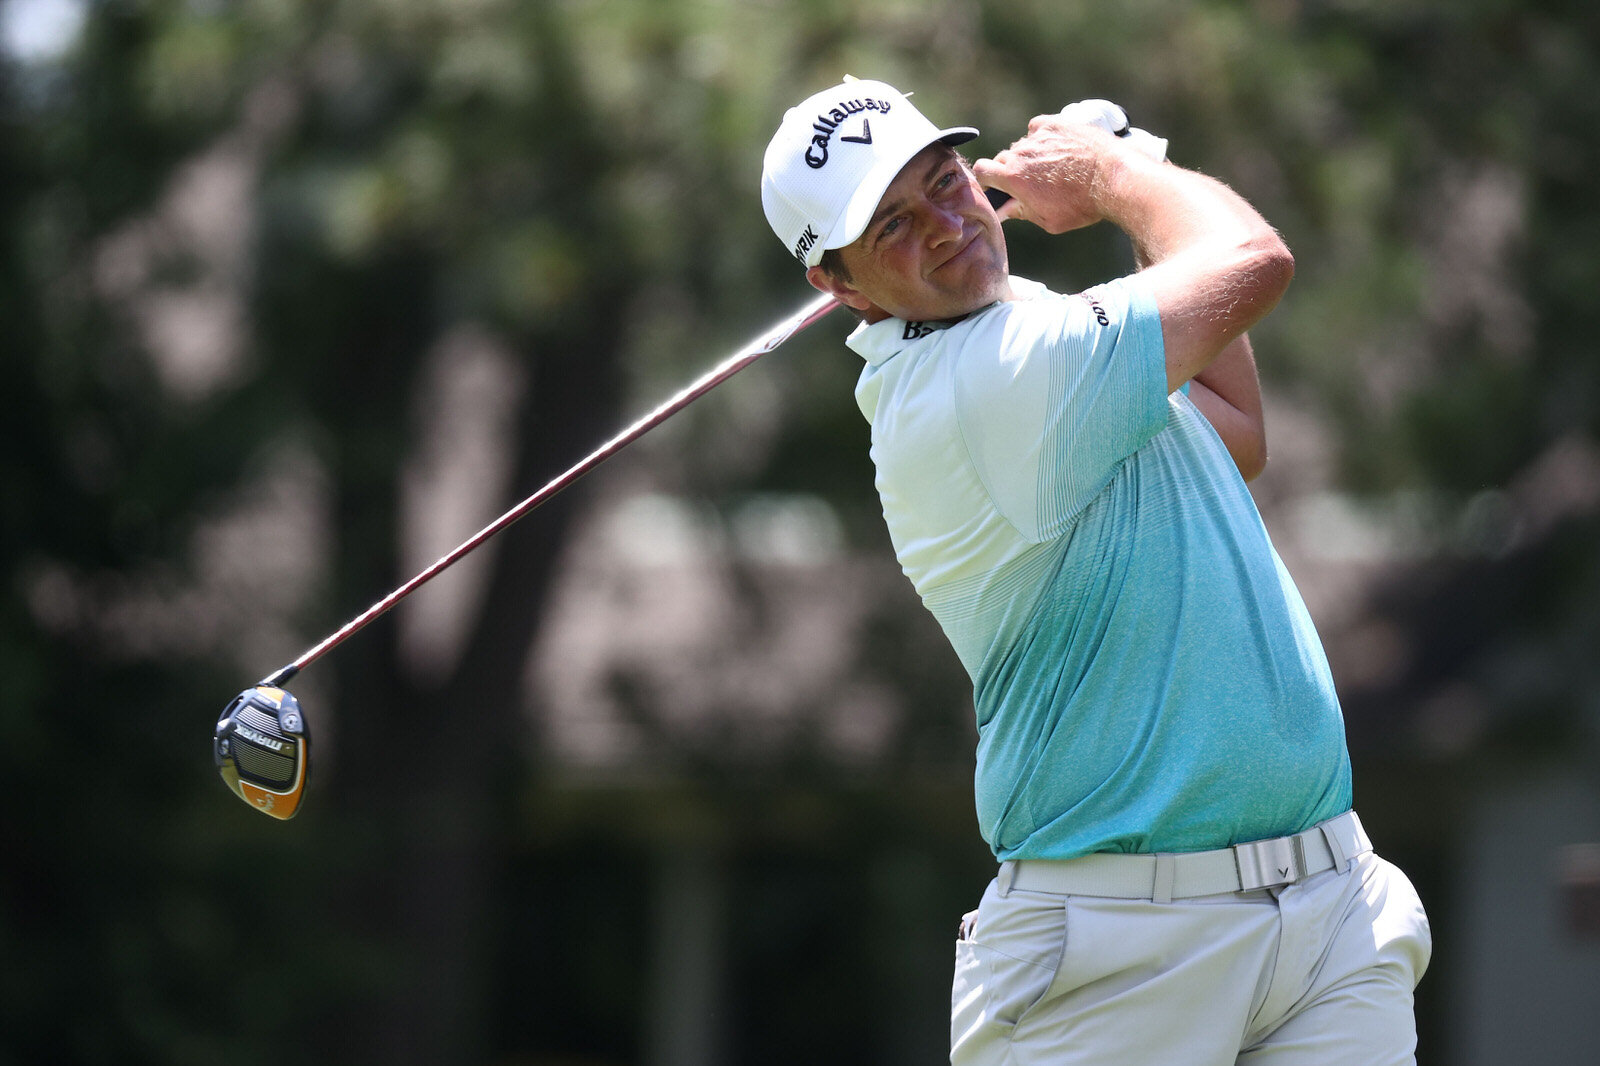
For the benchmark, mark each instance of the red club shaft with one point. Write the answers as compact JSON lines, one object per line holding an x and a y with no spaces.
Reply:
{"x":812,"y":313}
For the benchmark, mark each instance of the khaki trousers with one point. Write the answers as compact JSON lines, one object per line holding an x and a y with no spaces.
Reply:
{"x":1317,"y":973}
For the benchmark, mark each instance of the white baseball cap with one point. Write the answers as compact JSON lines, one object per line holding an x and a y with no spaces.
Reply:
{"x":832,"y":158}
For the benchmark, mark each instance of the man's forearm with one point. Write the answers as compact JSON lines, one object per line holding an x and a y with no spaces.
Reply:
{"x":1165,"y":209}
{"x":1212,"y":281}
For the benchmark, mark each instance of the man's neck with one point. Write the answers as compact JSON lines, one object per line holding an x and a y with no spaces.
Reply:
{"x":875,"y":314}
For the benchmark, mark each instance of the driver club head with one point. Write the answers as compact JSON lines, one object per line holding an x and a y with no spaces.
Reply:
{"x":263,"y":749}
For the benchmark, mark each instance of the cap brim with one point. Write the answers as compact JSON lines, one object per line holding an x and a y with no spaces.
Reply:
{"x":864,"y":202}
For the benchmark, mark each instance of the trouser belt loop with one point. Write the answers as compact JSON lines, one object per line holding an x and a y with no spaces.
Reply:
{"x":1341,"y":859}
{"x":1166,"y":878}
{"x":1007,"y":875}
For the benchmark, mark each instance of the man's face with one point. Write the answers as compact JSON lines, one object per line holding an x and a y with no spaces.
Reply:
{"x":932,"y":251}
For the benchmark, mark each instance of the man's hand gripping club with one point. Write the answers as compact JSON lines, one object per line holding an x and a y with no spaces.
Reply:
{"x":1216,"y":267}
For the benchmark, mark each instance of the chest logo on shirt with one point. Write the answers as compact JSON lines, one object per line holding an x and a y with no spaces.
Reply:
{"x":1100,"y":315}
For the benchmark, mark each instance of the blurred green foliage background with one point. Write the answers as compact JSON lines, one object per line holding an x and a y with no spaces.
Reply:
{"x":295,"y":296}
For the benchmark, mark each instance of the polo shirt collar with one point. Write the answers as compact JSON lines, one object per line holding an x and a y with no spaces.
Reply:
{"x":879,"y":342}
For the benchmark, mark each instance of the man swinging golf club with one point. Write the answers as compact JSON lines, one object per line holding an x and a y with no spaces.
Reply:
{"x":1161,"y":762}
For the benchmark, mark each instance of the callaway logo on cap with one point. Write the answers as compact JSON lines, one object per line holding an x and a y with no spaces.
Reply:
{"x":832,"y":158}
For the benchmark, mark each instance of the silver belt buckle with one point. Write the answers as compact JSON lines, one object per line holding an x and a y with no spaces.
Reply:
{"x":1269,"y":863}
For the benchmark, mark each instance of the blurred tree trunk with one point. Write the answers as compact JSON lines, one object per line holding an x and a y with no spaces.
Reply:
{"x":431,"y":772}
{"x":430,"y":775}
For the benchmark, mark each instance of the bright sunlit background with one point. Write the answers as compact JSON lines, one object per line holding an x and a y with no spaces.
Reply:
{"x":295,"y":296}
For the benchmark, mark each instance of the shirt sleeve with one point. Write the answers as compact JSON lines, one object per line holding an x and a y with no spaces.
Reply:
{"x":1050,"y":408}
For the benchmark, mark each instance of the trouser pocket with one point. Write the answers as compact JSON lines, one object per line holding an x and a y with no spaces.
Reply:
{"x":1005,"y":962}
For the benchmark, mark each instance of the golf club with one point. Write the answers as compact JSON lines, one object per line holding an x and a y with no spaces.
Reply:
{"x":262,"y":745}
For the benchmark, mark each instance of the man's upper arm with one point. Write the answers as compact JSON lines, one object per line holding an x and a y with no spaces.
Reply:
{"x":1210,"y":295}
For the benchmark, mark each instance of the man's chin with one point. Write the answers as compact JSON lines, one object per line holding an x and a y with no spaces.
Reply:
{"x":957,"y":302}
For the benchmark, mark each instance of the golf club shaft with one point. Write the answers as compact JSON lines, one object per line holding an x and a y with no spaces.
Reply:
{"x":813,"y":312}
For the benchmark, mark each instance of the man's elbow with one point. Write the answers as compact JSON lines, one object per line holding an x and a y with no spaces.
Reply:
{"x":1256,"y":275}
{"x":1271,"y":267}
{"x":1244,"y":435}
{"x":1251,"y":459}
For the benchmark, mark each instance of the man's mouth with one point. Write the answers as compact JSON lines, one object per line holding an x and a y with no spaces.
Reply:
{"x":966,"y":245}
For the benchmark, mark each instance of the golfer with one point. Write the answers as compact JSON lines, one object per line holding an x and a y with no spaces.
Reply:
{"x":1161,"y":763}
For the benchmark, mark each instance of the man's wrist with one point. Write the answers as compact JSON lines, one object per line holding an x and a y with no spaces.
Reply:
{"x":1120,"y":191}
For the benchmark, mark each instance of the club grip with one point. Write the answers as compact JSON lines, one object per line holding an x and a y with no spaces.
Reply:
{"x":1114,"y":121}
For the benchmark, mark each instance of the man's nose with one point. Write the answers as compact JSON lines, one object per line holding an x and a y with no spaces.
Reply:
{"x":943,"y":225}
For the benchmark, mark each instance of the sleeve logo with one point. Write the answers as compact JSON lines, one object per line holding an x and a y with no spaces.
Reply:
{"x":1100,"y":315}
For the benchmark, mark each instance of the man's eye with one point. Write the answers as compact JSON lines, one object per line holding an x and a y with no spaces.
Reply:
{"x":889,"y":228}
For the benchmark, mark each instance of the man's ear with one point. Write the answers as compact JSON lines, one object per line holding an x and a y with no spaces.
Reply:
{"x":842,"y":291}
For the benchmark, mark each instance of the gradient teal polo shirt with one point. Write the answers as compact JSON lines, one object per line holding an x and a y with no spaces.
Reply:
{"x":1145,"y":675}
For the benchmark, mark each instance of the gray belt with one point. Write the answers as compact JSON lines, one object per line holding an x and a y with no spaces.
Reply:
{"x":1179,"y":875}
